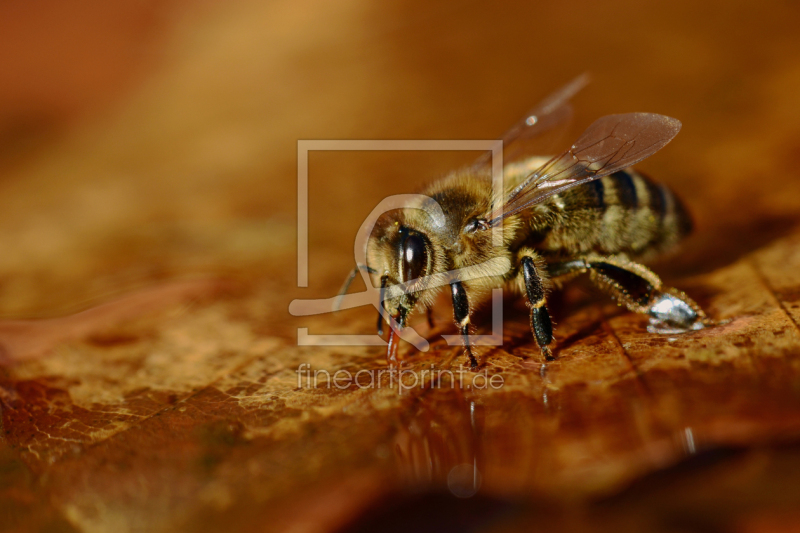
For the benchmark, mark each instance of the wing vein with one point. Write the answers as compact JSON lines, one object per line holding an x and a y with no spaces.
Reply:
{"x":610,"y":144}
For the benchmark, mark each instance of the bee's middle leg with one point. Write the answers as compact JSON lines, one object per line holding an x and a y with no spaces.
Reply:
{"x":461,"y":316}
{"x":541,"y":325}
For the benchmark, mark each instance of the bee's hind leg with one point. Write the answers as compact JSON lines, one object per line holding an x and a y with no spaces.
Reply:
{"x":541,"y":325}
{"x":640,"y":290}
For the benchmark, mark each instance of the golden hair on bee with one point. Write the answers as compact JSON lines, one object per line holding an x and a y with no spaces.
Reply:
{"x":582,"y":212}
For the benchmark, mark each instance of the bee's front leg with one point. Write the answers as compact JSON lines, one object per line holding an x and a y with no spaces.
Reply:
{"x":541,"y":325}
{"x":384,"y":281}
{"x":461,"y":316}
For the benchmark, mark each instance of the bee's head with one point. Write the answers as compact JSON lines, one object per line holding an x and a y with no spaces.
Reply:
{"x":401,"y":255}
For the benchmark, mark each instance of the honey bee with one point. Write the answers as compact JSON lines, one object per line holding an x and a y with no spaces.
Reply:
{"x":581,"y":212}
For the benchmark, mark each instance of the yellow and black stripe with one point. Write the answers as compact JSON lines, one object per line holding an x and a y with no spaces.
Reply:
{"x":625,"y":212}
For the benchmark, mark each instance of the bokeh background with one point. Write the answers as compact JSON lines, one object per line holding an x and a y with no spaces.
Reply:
{"x":148,"y":151}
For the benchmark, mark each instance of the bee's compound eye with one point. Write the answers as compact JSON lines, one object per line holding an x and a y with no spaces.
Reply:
{"x":414,"y":256}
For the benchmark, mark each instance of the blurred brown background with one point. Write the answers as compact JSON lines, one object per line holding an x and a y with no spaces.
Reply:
{"x":148,"y":165}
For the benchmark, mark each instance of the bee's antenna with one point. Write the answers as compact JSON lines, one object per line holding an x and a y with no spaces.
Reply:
{"x":338,"y":303}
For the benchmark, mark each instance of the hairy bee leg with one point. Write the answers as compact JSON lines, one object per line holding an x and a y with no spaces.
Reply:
{"x":461,"y":315}
{"x":384,"y":280}
{"x":541,"y":325}
{"x":642,"y":291}
{"x":566,"y":268}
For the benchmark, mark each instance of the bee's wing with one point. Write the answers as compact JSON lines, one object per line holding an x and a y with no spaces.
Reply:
{"x":610,"y":144}
{"x":545,"y":116}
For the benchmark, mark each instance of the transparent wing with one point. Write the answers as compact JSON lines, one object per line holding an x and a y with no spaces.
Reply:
{"x":610,"y":144}
{"x":551,"y":112}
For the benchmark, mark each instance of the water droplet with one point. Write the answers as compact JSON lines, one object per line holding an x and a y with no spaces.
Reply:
{"x":464,"y":480}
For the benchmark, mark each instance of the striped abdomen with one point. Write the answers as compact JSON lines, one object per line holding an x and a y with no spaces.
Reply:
{"x":625,"y":212}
